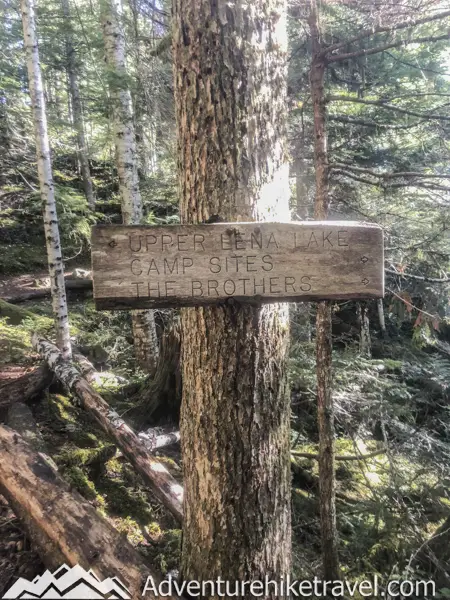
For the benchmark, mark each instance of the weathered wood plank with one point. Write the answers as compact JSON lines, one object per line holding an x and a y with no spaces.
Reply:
{"x":186,"y":265}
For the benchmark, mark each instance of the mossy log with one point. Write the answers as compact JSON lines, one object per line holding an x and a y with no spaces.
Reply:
{"x":155,"y":474}
{"x":26,"y":387}
{"x":60,"y":523}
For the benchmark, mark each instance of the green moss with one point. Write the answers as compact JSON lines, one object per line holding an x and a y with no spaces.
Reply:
{"x":79,"y":480}
{"x":62,"y":408}
{"x":131,"y":529}
{"x":123,"y":500}
{"x":15,"y":345}
{"x":85,"y":456}
{"x":166,"y":552}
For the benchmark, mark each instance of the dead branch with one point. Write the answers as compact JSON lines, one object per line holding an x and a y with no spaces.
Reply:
{"x":350,"y":457}
{"x":369,"y":51}
{"x":387,"y":29}
{"x":155,"y":474}
{"x":81,"y":285}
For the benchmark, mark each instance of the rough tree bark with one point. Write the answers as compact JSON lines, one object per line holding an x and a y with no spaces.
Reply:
{"x":160,"y":397}
{"x":54,"y":254}
{"x":230,"y":105}
{"x":64,"y":527}
{"x":144,"y":328}
{"x":77,"y":110}
{"x":325,"y":410}
{"x":155,"y":475}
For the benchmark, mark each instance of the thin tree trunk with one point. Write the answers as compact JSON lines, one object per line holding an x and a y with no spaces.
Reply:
{"x":365,"y":343}
{"x":302,"y":310}
{"x":54,"y":254}
{"x":144,"y":329}
{"x":325,"y":407}
{"x":140,"y":108}
{"x":381,"y":319}
{"x":77,"y":111}
{"x":146,"y":344}
{"x":235,"y":418}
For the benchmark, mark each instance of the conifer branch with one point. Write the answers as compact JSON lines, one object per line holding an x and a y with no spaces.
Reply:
{"x":388,"y":29}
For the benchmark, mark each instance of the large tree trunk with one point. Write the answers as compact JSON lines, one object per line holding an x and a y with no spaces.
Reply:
{"x":60,"y":523}
{"x":144,"y":328}
{"x":77,"y":111}
{"x":155,"y":475}
{"x":230,"y":105}
{"x":54,"y":254}
{"x":325,"y":409}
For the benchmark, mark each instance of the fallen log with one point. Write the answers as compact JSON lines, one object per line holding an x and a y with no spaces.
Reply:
{"x":26,"y":387}
{"x":359,"y":457}
{"x":87,"y":368}
{"x":65,"y":528}
{"x":33,"y":294}
{"x":153,"y":439}
{"x":155,"y":474}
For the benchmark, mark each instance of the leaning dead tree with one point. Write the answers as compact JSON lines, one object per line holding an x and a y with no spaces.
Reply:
{"x":54,"y":254}
{"x":60,"y":523}
{"x":156,"y":476}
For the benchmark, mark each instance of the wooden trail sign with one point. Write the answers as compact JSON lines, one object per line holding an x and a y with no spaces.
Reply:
{"x":188,"y":265}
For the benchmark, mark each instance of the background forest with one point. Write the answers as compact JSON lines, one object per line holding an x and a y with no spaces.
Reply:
{"x":387,"y":98}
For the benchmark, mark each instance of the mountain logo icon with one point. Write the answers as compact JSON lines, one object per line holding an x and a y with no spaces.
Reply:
{"x":75,"y":583}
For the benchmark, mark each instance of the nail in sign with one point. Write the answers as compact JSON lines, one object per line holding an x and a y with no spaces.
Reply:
{"x":190,"y":265}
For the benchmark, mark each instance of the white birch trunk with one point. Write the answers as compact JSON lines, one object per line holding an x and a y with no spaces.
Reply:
{"x":380,"y":308}
{"x":77,"y":111}
{"x":55,"y":261}
{"x":144,"y":330}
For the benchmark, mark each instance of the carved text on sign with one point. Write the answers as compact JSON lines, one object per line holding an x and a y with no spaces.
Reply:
{"x":184,"y":265}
